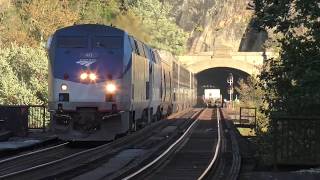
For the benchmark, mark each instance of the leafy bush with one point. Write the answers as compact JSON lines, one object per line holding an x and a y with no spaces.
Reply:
{"x":251,"y":95}
{"x":23,"y":75}
{"x":292,"y":81}
{"x":165,"y":33}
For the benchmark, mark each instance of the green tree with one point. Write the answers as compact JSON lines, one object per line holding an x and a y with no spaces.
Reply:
{"x":44,"y":18}
{"x":164,"y":32}
{"x":95,"y":11}
{"x":251,"y":95}
{"x":23,"y":75}
{"x":292,"y":80}
{"x":31,"y":22}
{"x":12,"y":28}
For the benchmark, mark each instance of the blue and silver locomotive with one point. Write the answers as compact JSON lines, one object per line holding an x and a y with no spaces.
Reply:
{"x":104,"y":83}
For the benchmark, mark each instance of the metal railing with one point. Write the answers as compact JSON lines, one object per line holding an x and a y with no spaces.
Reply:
{"x":38,"y":117}
{"x":247,"y":117}
{"x":21,"y":118}
{"x":296,"y":140}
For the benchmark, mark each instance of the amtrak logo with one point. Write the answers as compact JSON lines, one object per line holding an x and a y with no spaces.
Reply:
{"x":87,"y":58}
{"x":86,"y":62}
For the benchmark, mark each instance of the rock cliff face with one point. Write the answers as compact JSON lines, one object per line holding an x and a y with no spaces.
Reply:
{"x":213,"y":24}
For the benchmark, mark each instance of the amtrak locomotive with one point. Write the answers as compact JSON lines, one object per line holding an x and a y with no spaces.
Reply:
{"x":104,"y":83}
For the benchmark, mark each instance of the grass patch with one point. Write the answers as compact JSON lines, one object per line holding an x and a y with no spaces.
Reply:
{"x":247,"y":131}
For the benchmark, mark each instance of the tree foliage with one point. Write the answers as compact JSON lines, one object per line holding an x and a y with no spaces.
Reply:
{"x":23,"y":75}
{"x":12,"y":27}
{"x":95,"y":11}
{"x":31,"y":22}
{"x":251,"y":95}
{"x":165,"y":33}
{"x":44,"y":18}
{"x":292,"y":81}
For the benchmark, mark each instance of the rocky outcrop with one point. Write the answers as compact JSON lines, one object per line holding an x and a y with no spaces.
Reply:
{"x":212,"y":24}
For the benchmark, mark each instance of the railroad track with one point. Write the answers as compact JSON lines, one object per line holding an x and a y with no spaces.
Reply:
{"x":231,"y":160}
{"x":25,"y":162}
{"x":198,"y":154}
{"x":70,"y":164}
{"x":228,"y":164}
{"x":150,"y":143}
{"x":188,"y":156}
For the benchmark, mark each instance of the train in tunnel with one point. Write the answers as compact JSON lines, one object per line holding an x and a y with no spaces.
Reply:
{"x":104,"y":83}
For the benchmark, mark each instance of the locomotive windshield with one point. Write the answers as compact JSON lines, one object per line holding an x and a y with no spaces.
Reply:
{"x":108,"y":42}
{"x":72,"y":42}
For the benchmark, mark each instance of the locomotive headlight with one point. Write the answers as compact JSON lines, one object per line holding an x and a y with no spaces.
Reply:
{"x":92,"y":77}
{"x":84,"y":76}
{"x":111,"y":88}
{"x":64,"y":87}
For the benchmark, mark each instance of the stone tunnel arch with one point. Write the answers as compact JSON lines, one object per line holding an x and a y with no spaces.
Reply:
{"x":232,"y":64}
{"x":217,"y":77}
{"x":249,"y":62}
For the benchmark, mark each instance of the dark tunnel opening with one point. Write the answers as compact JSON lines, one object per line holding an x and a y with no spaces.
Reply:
{"x":216,"y":78}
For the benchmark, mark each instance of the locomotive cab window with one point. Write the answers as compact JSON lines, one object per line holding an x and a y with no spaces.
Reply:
{"x":72,"y":42}
{"x":108,"y":42}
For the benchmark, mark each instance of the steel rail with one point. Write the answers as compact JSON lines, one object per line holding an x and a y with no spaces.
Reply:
{"x":164,"y":153}
{"x":217,"y":152}
{"x":68,"y":157}
{"x":33,"y":152}
{"x":50,"y":163}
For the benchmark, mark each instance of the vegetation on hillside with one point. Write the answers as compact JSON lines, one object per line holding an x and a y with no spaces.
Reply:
{"x":23,"y":75}
{"x":25,"y":26}
{"x":31,"y":22}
